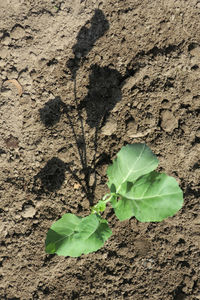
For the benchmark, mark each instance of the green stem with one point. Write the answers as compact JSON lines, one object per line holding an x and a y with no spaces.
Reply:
{"x":101,"y":205}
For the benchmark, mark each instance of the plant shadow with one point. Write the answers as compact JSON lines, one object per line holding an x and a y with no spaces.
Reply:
{"x":86,"y":38}
{"x":104,"y":92}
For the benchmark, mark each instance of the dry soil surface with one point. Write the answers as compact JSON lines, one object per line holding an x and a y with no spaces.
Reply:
{"x":80,"y":79}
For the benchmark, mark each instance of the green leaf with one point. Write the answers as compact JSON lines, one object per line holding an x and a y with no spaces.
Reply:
{"x":152,"y":198}
{"x":99,"y":207}
{"x":132,"y":162}
{"x":73,"y":236}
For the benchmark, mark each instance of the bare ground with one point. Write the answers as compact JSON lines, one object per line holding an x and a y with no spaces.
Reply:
{"x":97,"y":75}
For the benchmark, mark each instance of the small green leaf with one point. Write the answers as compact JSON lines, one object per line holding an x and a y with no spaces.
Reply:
{"x":132,"y":162}
{"x":152,"y":198}
{"x":73,"y":236}
{"x":99,"y":207}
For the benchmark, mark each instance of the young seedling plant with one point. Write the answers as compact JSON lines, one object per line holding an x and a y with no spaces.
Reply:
{"x":136,"y":190}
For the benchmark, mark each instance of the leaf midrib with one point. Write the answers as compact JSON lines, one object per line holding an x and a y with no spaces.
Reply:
{"x":67,"y":236}
{"x":132,"y":171}
{"x":150,"y":197}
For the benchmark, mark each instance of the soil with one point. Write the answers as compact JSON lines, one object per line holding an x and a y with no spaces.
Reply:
{"x":97,"y":75}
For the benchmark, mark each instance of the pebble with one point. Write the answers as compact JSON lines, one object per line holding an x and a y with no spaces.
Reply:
{"x":169,"y":122}
{"x":17,"y":33}
{"x":109,"y":128}
{"x":29,"y":212}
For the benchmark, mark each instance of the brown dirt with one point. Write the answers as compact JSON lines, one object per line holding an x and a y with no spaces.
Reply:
{"x":97,"y":75}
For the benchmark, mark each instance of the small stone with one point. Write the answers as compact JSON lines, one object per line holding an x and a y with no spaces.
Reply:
{"x":17,"y":33}
{"x":6,"y":40}
{"x":132,"y":128}
{"x":77,"y":186}
{"x":3,"y":52}
{"x":92,"y":179}
{"x":169,"y":122}
{"x":148,"y":263}
{"x":195,"y":51}
{"x":109,"y":128}
{"x":29,"y":211}
{"x":197,"y":133}
{"x":140,"y":134}
{"x":2,"y":64}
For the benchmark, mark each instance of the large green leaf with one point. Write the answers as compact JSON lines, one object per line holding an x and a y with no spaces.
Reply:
{"x":132,"y":162}
{"x":73,"y":236}
{"x":152,"y":198}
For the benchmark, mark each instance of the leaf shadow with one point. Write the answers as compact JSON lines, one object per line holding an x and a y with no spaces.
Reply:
{"x":86,"y":38}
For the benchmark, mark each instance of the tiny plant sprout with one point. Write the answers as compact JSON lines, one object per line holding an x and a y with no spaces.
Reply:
{"x":136,"y":190}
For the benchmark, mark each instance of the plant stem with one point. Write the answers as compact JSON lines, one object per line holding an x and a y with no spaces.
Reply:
{"x":101,"y":205}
